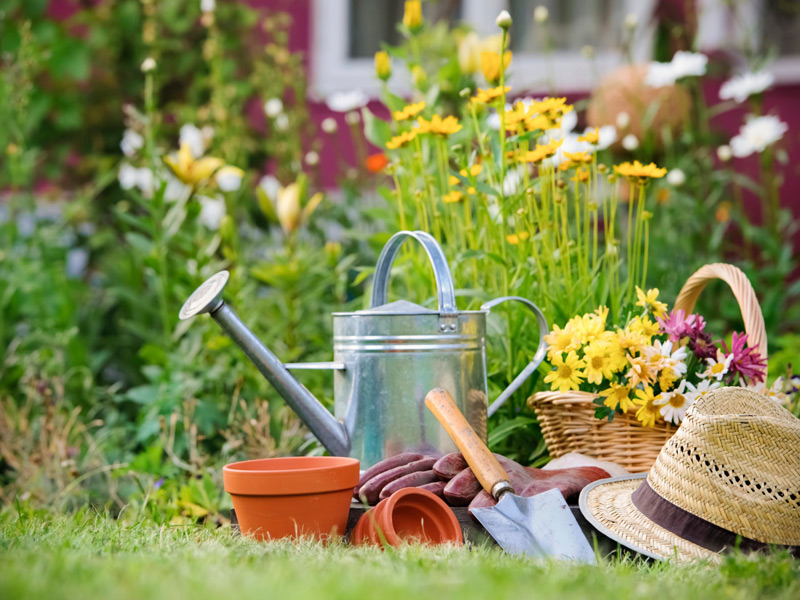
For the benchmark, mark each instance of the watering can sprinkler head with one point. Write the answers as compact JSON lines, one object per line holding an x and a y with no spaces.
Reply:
{"x":207,"y":298}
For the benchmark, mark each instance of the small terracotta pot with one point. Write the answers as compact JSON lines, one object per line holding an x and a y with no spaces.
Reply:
{"x":408,"y":515}
{"x":292,"y":497}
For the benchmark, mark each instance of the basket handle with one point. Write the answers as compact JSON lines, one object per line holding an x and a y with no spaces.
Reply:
{"x":742,"y":290}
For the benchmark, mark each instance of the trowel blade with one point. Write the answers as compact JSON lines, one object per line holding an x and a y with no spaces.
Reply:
{"x":542,"y":525}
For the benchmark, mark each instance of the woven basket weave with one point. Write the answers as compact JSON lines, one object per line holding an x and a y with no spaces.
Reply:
{"x":567,"y":418}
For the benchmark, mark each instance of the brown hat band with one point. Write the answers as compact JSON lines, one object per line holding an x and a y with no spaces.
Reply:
{"x":693,"y":528}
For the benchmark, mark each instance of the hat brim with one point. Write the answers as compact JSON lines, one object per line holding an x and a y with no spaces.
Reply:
{"x":607,"y":505}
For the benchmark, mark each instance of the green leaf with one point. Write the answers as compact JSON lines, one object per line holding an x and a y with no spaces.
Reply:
{"x":376,"y":130}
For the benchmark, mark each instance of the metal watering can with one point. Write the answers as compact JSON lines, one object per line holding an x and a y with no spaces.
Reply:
{"x":385,"y":360}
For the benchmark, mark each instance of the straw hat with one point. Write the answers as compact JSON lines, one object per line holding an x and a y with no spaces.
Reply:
{"x":729,"y":477}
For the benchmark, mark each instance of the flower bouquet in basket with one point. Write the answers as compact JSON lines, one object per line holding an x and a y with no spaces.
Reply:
{"x":618,"y":392}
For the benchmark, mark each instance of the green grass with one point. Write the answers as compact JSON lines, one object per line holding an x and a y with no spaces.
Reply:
{"x":86,"y":556}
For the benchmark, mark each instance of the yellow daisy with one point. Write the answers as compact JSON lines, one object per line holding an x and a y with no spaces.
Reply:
{"x":561,"y":340}
{"x":439,"y":126}
{"x":401,"y":140}
{"x":487,"y":96}
{"x":642,"y":370}
{"x":648,"y":410}
{"x":617,"y":396}
{"x":567,"y":374}
{"x":516,"y":238}
{"x":409,"y":111}
{"x":598,"y":362}
{"x":541,"y":151}
{"x":591,"y":137}
{"x":649,"y":301}
{"x":644,"y":326}
{"x":454,"y":196}
{"x":639,"y":172}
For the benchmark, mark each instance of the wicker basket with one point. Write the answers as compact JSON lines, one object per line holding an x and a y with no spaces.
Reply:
{"x":567,"y":418}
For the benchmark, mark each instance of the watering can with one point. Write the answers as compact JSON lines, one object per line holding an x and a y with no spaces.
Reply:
{"x":385,"y":360}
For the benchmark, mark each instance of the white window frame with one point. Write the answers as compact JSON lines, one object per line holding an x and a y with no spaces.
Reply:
{"x":332,"y":70}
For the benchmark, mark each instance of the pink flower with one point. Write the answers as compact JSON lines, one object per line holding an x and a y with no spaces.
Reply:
{"x":747,"y":362}
{"x":678,"y":325}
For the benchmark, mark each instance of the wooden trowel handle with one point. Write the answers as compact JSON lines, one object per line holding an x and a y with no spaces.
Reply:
{"x":484,"y":465}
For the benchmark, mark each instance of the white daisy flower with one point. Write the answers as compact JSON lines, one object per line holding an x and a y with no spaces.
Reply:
{"x":273,"y":107}
{"x":630,"y":142}
{"x":282,"y":122}
{"x":676,"y":177}
{"x":346,"y":101}
{"x":144,"y":181}
{"x":673,"y":360}
{"x":132,"y":141}
{"x":211,"y":211}
{"x":127,"y":176}
{"x":756,"y":134}
{"x":674,"y":404}
{"x":607,"y":136}
{"x":192,"y":135}
{"x":208,"y":5}
{"x":623,"y":120}
{"x":724,"y":153}
{"x":741,"y":87}
{"x":683,"y":64}
{"x":701,"y":389}
{"x":329,"y":125}
{"x":229,"y":179}
{"x":719,"y":366}
{"x":176,"y":190}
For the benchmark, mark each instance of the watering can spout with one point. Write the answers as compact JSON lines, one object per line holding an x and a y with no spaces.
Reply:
{"x":328,"y":430}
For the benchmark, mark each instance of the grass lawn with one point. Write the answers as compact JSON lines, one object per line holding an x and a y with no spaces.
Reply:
{"x":85,"y":556}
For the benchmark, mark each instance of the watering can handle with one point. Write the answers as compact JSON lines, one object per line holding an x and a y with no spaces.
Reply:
{"x":441,"y":271}
{"x":538,"y":357}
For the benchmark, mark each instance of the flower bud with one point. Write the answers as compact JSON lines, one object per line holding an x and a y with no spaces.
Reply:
{"x":412,"y":15}
{"x":631,"y":21}
{"x":630,"y":142}
{"x":623,"y":120}
{"x":503,"y":20}
{"x":419,"y":77}
{"x":541,"y":14}
{"x":383,"y":65}
{"x":329,"y":125}
{"x":724,"y":153}
{"x":288,"y":208}
{"x":149,"y":64}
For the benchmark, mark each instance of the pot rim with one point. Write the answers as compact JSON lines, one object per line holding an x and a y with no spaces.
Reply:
{"x":323,"y":474}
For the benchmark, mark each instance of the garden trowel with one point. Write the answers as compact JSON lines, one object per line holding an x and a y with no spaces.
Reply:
{"x":542,"y":525}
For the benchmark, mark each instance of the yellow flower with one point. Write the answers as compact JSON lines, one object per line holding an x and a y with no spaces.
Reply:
{"x":631,"y":340}
{"x":516,"y":238}
{"x":598,"y":361}
{"x":487,"y":96}
{"x":617,"y":396}
{"x":638,"y":171}
{"x":409,"y":111}
{"x":401,"y":140}
{"x":648,"y":411}
{"x":567,"y":375}
{"x":551,"y":107}
{"x":439,"y":126}
{"x":192,"y":171}
{"x":542,"y":152}
{"x":644,"y":326}
{"x":667,"y":378}
{"x":561,"y":340}
{"x":454,"y":196}
{"x":491,"y":67}
{"x":383,"y":65}
{"x":591,"y":137}
{"x":474,"y":171}
{"x":579,"y":157}
{"x":642,"y":370}
{"x":412,"y":16}
{"x":650,"y":302}
{"x":581,"y":174}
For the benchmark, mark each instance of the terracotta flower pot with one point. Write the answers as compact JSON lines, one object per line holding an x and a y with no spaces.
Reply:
{"x":408,"y":515}
{"x":292,"y":497}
